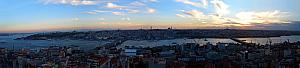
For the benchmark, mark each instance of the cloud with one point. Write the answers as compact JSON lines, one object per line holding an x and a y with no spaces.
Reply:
{"x":265,"y":17}
{"x":126,"y":19}
{"x":151,"y":10}
{"x":152,"y":0}
{"x":100,"y":11}
{"x":180,"y":15}
{"x":92,"y":13}
{"x":137,"y":3}
{"x":200,"y":17}
{"x":139,"y":6}
{"x":132,"y":10}
{"x":114,"y":6}
{"x":220,"y":15}
{"x":118,"y":13}
{"x":202,"y":4}
{"x":121,"y":9}
{"x":71,"y":2}
{"x":85,"y":2}
{"x":194,"y":13}
{"x":220,"y":7}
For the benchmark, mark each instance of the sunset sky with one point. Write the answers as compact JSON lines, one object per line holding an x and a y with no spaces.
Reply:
{"x":60,"y":15}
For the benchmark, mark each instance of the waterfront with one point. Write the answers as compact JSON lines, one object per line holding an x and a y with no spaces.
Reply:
{"x":280,"y":39}
{"x":147,"y":43}
{"x":86,"y":45}
{"x":184,"y":53}
{"x":9,"y":42}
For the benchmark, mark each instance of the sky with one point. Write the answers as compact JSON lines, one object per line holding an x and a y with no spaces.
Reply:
{"x":62,"y":15}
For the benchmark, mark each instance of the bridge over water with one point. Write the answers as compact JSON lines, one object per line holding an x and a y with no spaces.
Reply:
{"x":241,"y":41}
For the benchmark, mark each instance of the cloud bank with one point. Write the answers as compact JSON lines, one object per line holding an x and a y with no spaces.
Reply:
{"x":223,"y":16}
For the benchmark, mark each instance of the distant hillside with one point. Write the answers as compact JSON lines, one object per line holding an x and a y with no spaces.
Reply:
{"x":4,"y":34}
{"x":159,"y":34}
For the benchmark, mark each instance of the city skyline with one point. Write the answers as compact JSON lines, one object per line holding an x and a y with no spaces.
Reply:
{"x":60,"y":15}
